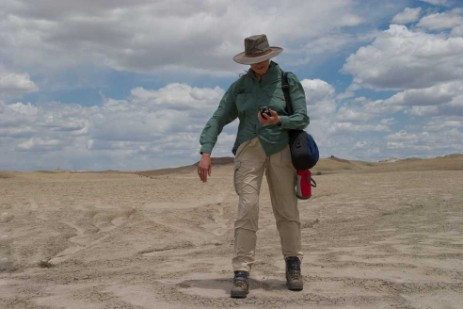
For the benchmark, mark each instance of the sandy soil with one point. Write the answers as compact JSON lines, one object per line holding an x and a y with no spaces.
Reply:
{"x":383,"y":235}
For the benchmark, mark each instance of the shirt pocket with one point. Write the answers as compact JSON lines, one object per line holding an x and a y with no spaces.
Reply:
{"x":236,"y":179}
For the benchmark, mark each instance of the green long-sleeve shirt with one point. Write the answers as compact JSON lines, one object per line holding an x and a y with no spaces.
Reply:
{"x":243,"y":100}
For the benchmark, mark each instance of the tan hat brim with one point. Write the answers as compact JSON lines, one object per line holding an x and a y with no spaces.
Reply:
{"x":243,"y":59}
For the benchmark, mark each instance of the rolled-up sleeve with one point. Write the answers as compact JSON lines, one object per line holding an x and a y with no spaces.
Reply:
{"x":225,"y":113}
{"x":299,"y":119}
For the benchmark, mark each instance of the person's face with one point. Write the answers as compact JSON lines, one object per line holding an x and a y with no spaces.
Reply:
{"x":261,"y":67}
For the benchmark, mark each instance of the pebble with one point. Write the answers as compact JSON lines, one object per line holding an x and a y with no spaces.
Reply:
{"x":6,"y":217}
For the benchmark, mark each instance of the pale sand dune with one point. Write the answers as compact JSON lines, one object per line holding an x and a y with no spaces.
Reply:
{"x":375,"y":235}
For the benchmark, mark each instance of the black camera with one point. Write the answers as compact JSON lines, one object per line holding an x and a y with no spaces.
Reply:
{"x":265,"y":110}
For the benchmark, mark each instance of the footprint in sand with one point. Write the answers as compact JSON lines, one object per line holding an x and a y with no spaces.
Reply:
{"x":103,"y":221}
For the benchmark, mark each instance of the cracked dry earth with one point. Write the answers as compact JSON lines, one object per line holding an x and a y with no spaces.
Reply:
{"x":372,"y":239}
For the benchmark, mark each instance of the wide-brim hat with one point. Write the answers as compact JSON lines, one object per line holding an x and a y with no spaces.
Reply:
{"x":257,"y":49}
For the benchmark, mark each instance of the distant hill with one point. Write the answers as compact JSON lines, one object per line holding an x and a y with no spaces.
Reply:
{"x":334,"y":164}
{"x":216,"y":161}
{"x":328,"y":165}
{"x":337,"y":165}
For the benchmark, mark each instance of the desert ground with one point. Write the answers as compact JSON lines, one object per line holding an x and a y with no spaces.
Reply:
{"x":375,"y":235}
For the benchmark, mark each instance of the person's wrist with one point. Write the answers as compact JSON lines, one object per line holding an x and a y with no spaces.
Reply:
{"x":205,"y":154}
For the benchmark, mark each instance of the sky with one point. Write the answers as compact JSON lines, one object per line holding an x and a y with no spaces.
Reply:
{"x":129,"y":85}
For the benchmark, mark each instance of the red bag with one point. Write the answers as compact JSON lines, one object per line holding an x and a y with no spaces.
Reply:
{"x":304,"y":184}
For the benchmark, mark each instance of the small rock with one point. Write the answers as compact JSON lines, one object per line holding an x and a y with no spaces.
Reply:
{"x":6,"y":217}
{"x":45,"y":264}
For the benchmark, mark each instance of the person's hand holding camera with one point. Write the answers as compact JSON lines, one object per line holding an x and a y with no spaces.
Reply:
{"x":267,"y":116}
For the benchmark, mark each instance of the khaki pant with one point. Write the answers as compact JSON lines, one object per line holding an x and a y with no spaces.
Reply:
{"x":250,"y":164}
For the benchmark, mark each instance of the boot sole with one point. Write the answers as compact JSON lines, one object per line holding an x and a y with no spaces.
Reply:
{"x":294,"y":287}
{"x":238,"y":294}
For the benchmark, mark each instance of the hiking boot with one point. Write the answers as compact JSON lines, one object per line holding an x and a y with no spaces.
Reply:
{"x":294,"y":280}
{"x":240,"y":287}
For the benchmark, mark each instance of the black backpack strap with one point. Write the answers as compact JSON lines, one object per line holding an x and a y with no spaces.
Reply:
{"x":285,"y":88}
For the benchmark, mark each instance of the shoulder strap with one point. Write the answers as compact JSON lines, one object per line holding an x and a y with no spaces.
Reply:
{"x":285,"y":88}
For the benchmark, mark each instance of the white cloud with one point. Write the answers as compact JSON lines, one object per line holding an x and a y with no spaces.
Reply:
{"x":436,"y":2}
{"x":16,"y":85}
{"x":147,"y":36}
{"x":347,"y":128}
{"x":154,"y":120}
{"x":409,"y":15}
{"x":154,"y":126}
{"x":425,"y":143}
{"x":441,"y":21}
{"x":362,"y":128}
{"x":177,"y":96}
{"x":424,"y":111}
{"x":439,"y":99}
{"x":400,"y":58}
{"x":435,"y":95}
{"x":17,"y":115}
{"x":317,"y":90}
{"x":428,"y":69}
{"x":150,"y":130}
{"x":39,"y":144}
{"x":321,"y":106}
{"x":444,"y":124}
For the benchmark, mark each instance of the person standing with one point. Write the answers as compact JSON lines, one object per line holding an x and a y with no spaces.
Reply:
{"x":261,"y":147}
